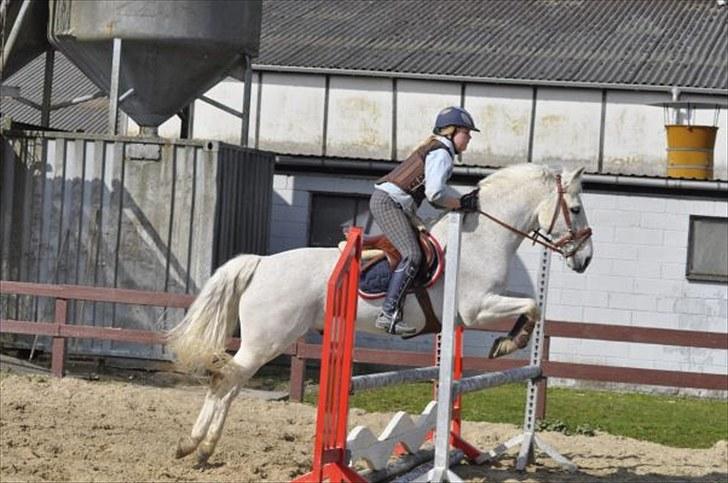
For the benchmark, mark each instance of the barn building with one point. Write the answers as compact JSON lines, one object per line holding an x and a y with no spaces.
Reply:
{"x":341,"y":91}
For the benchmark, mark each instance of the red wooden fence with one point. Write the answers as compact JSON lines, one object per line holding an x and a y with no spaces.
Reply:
{"x":301,"y":351}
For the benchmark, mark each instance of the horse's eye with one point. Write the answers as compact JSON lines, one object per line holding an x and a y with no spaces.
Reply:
{"x":575,"y":209}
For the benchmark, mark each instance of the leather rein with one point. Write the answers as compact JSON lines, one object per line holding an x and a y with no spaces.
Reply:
{"x":565,"y":246}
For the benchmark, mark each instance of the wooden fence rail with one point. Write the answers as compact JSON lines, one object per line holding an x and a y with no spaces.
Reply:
{"x":301,"y":351}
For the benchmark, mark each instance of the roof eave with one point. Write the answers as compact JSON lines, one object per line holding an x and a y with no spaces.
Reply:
{"x":484,"y":80}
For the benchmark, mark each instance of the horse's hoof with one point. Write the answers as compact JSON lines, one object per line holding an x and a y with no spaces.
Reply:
{"x":185,"y":446}
{"x":524,"y":334}
{"x":204,"y":451}
{"x":502,"y":346}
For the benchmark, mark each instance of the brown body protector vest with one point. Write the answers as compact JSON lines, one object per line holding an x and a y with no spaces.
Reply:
{"x":409,"y":176}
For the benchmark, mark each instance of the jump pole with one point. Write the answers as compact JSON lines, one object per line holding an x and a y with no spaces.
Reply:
{"x":441,"y":467}
{"x":448,"y":387}
{"x":529,"y":438}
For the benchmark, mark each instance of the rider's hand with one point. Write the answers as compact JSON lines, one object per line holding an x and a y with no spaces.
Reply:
{"x":469,"y":201}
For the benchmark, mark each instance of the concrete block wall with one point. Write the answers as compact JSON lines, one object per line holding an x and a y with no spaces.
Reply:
{"x":637,"y":276}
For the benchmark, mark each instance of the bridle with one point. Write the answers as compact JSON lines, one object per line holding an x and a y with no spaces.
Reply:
{"x":568,"y":244}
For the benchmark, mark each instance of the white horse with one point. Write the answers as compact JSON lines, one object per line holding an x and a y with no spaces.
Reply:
{"x":278,"y":298}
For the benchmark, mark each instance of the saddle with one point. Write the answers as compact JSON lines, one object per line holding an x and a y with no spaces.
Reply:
{"x":388,"y":250}
{"x":380,"y":258}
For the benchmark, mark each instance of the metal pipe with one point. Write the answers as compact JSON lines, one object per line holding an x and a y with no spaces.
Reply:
{"x":114,"y":87}
{"x":382,"y":379}
{"x":78,"y":100}
{"x":492,"y":379}
{"x":221,"y":106}
{"x":485,"y":80}
{"x":14,"y":32}
{"x":45,"y":112}
{"x":3,"y":8}
{"x":125,"y":95}
{"x":479,"y":171}
{"x":248,"y":79}
{"x":29,"y":103}
{"x":714,"y":185}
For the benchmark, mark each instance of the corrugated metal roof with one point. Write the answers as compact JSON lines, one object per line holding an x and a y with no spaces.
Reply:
{"x":68,"y":83}
{"x":635,"y":42}
{"x":613,"y":42}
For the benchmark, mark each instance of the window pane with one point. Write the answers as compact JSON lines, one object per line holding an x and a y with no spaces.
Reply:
{"x":329,"y":215}
{"x":708,"y":249}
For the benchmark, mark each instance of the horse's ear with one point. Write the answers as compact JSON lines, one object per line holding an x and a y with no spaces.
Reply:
{"x":572,"y":179}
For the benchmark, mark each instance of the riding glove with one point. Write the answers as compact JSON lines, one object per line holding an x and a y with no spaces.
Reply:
{"x":469,"y":201}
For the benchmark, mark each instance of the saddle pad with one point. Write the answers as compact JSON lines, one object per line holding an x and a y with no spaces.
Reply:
{"x":373,"y":282}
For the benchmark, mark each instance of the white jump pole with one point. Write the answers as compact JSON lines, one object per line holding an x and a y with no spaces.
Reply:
{"x":441,"y":468}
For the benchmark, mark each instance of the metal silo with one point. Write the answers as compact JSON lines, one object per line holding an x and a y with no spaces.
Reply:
{"x":170,"y":50}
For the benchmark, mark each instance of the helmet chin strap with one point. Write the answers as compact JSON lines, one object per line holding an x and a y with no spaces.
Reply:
{"x":450,"y":137}
{"x":452,"y":140}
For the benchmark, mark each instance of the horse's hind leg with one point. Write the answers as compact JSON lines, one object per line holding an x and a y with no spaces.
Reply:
{"x":224,"y":386}
{"x":188,"y":444}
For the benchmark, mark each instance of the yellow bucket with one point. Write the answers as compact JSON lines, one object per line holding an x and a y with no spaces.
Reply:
{"x":690,"y":151}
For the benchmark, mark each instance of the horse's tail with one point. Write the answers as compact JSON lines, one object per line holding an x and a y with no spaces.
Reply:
{"x":198,"y":342}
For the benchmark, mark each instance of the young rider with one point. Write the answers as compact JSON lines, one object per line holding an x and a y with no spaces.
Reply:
{"x":398,"y":195}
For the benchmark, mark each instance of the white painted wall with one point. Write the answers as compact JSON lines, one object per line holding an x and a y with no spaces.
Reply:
{"x":360,"y":118}
{"x":706,"y":117}
{"x":418,"y":103}
{"x":503,"y":115}
{"x":634,"y":134}
{"x":360,"y":121}
{"x":214,"y":123}
{"x":566,"y":128}
{"x":292,"y":113}
{"x":637,"y":276}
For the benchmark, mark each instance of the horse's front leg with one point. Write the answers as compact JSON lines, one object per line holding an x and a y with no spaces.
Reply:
{"x":495,"y":307}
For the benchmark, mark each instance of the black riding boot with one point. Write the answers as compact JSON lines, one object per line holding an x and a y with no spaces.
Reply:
{"x":390,"y":318}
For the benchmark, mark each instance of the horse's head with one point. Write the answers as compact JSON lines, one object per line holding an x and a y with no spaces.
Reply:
{"x":562,"y":218}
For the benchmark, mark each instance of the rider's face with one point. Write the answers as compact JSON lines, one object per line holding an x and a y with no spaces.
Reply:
{"x":461,"y":138}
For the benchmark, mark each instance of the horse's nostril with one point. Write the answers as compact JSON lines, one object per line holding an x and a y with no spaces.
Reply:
{"x":586,"y":263}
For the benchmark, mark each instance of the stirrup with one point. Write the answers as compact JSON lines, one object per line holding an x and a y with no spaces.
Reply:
{"x":392,"y":324}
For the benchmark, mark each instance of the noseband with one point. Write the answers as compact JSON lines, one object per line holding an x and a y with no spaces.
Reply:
{"x":568,"y":244}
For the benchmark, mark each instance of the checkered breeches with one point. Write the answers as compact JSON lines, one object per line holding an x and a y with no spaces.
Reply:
{"x":394,"y":223}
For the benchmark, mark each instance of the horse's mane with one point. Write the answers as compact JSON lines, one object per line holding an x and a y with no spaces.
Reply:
{"x":511,"y":178}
